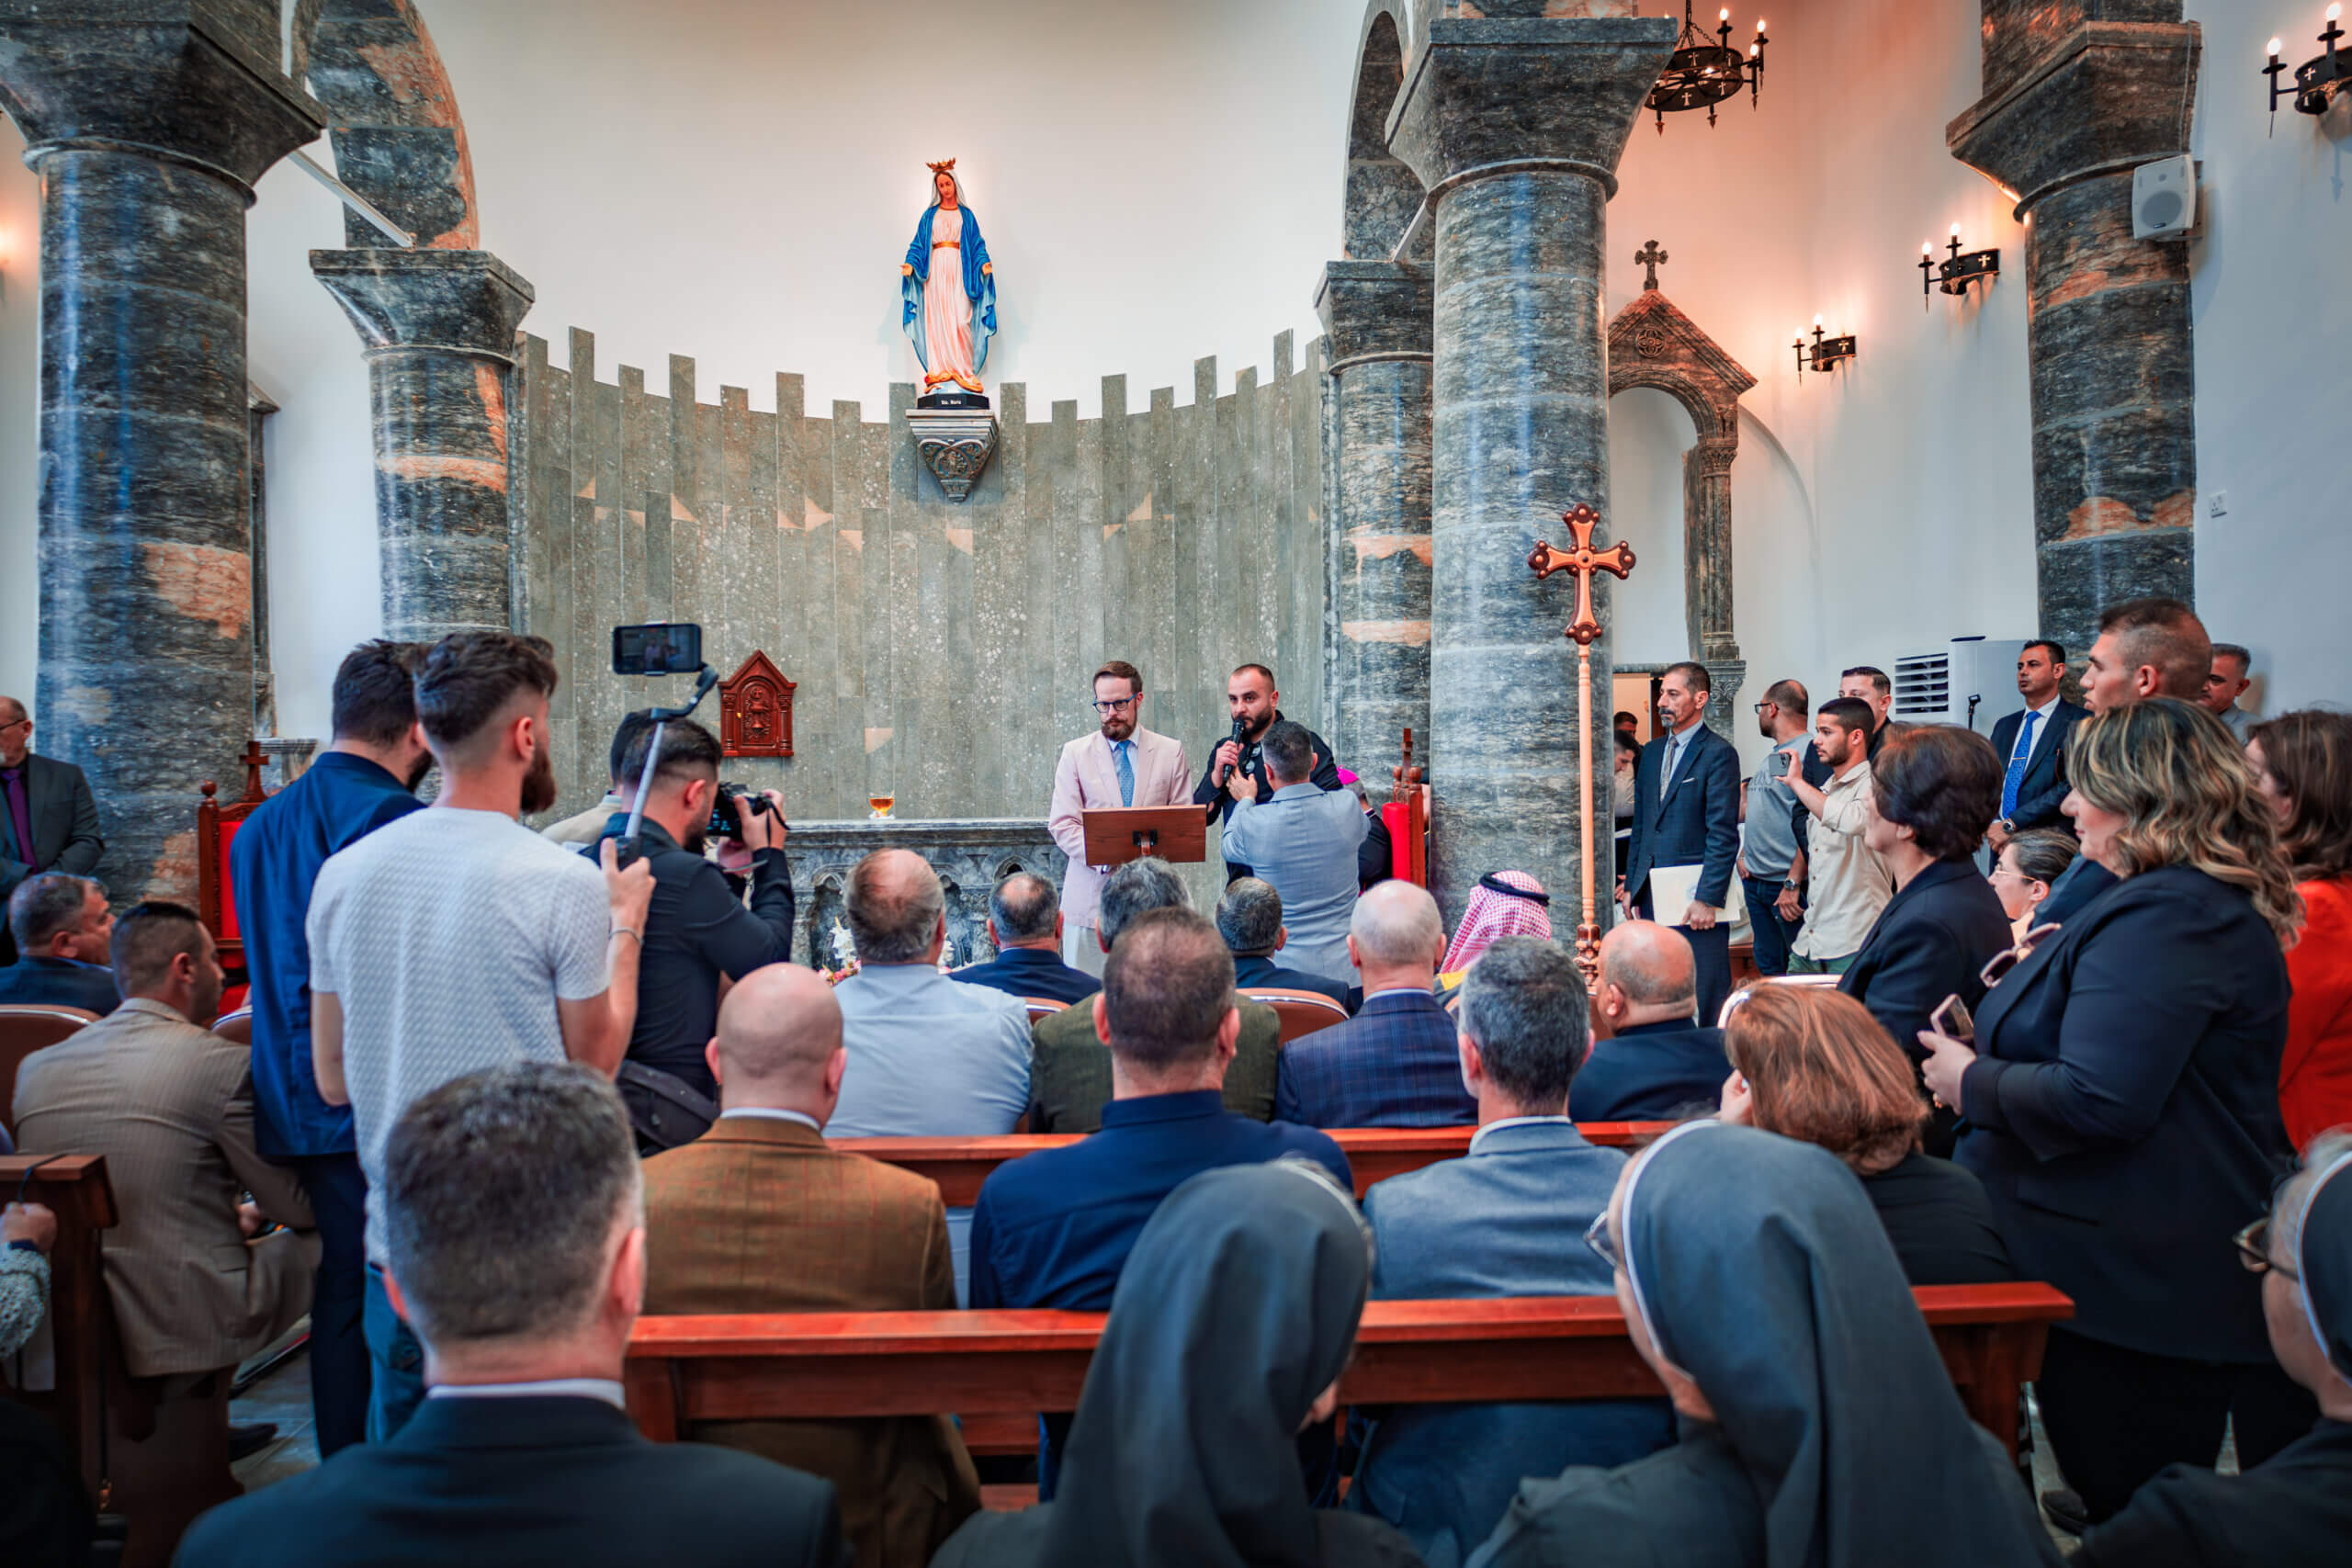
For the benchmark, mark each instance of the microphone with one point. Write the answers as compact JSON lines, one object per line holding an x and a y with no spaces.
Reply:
{"x":1240,"y":727}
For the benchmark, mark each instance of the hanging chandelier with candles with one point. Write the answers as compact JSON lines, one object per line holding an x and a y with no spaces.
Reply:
{"x":1705,"y":70}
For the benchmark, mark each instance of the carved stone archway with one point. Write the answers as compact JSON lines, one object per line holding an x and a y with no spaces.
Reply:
{"x":1651,"y":343}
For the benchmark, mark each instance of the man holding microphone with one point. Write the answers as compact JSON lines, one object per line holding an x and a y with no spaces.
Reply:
{"x":1256,"y":707}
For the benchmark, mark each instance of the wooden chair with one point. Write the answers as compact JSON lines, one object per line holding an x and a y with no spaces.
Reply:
{"x":1041,"y":1007}
{"x":1739,"y":999}
{"x":216,"y":830}
{"x":1302,"y":1013}
{"x":237,"y":1026}
{"x":24,"y":1028}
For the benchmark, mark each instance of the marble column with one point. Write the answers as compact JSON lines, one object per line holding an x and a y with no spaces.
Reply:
{"x":2071,"y":106}
{"x":439,"y":327}
{"x":1515,"y":126}
{"x":1707,"y":552}
{"x":1376,"y":331}
{"x":148,"y":125}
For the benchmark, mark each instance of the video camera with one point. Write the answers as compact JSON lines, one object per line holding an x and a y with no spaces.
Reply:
{"x":727,"y":809}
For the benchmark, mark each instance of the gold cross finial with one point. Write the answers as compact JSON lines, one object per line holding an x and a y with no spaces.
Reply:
{"x":1582,"y":561}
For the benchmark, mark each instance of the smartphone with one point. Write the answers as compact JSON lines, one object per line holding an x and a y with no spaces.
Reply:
{"x":659,"y":648}
{"x":1953,"y":1021}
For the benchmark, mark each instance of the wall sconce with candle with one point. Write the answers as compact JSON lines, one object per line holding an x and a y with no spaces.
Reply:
{"x":1956,"y":272}
{"x":1828,"y":353}
{"x":2317,"y":80}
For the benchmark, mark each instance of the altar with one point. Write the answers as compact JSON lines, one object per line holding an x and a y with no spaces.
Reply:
{"x":971,"y":855}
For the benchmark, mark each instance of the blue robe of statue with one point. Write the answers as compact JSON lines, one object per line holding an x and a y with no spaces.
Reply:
{"x":979,"y":287}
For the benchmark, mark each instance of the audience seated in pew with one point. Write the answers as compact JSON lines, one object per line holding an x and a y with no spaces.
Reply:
{"x":1505,"y":903}
{"x":1025,"y":924}
{"x":1819,"y":1427}
{"x":62,"y":925}
{"x":45,"y":1518}
{"x":1250,"y":918}
{"x":1054,"y":1229}
{"x":1394,"y":1064}
{"x":170,"y":1105}
{"x":2294,"y":1510}
{"x":1813,"y":1064}
{"x":928,"y":1058}
{"x":1070,"y":1070}
{"x":1505,"y":1221}
{"x":1183,"y":1452}
{"x":758,"y":1216}
{"x":513,"y":1213}
{"x":1652,"y":1059}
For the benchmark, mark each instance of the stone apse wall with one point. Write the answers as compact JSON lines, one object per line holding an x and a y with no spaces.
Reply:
{"x":941,"y":650}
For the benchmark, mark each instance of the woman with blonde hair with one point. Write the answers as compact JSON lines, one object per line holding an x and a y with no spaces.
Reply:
{"x":2302,"y":762}
{"x":2120,"y":1101}
{"x":1814,"y":1065}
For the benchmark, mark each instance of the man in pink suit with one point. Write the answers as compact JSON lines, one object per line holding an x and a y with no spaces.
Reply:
{"x":1120,"y":765}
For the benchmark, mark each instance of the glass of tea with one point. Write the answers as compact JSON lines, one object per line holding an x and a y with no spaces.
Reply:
{"x":881,"y":805}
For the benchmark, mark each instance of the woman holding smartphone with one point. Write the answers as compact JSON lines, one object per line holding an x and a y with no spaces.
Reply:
{"x":2120,"y":1102}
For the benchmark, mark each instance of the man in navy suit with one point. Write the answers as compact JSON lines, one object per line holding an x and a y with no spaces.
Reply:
{"x":64,"y":928}
{"x":1686,"y":813}
{"x":2030,"y":744}
{"x":1026,"y":923}
{"x":1503,"y":1221}
{"x":1652,"y":1061}
{"x":516,"y":1226}
{"x":1250,"y":918}
{"x":1394,"y":1064}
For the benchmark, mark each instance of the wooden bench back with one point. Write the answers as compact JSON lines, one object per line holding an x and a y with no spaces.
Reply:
{"x":24,"y":1028}
{"x":1374,"y":1154}
{"x":75,"y":1187}
{"x":838,"y":1365}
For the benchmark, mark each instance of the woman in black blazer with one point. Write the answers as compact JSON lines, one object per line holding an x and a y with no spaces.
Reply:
{"x":1934,"y":791}
{"x":2120,"y":1105}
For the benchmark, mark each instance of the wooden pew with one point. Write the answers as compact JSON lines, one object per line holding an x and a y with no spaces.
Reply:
{"x":1374,"y":1154}
{"x":982,"y":1365}
{"x":75,"y":1186}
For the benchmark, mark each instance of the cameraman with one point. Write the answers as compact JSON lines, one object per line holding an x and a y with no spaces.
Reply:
{"x":696,"y":930}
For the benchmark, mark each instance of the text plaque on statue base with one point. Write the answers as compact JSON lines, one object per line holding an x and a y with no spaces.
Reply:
{"x":954,"y":445}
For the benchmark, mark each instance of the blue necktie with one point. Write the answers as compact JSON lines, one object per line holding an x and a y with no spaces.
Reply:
{"x":2017,"y":761}
{"x":1126,"y":775}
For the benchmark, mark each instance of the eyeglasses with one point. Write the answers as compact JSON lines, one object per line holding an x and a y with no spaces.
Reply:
{"x":1603,"y":1244}
{"x":2254,"y":1250}
{"x":1760,"y":707}
{"x":13,"y":722}
{"x":2009,"y":958}
{"x":1116,"y":704}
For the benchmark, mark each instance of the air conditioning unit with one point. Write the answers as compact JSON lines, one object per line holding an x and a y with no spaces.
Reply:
{"x":1972,"y":682}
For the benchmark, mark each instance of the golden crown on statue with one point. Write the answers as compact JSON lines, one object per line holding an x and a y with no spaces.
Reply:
{"x":946,"y":168}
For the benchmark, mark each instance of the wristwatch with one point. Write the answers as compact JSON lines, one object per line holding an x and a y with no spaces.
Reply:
{"x":2007,"y":826}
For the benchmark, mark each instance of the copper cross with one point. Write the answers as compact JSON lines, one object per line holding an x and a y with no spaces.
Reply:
{"x":1583,"y":561}
{"x":1649,"y":255}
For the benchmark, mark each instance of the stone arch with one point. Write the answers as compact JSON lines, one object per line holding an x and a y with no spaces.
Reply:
{"x":392,"y":118}
{"x":1380,"y":194}
{"x":1651,"y":343}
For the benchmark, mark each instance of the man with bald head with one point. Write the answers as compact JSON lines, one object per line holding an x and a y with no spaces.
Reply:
{"x":47,"y":819}
{"x":1392,"y":1065}
{"x":760,"y":1214}
{"x":1652,"y":1059}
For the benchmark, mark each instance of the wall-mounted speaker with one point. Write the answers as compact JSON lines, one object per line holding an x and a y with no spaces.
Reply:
{"x":2164,"y":199}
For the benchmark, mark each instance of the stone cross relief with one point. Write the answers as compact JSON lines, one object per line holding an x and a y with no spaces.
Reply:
{"x":1582,"y":560}
{"x":1650,"y":256}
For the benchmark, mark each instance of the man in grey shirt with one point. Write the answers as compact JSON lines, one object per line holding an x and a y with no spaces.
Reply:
{"x":2224,"y":684}
{"x":1301,"y":840}
{"x":1771,"y":855}
{"x":928,"y":1058}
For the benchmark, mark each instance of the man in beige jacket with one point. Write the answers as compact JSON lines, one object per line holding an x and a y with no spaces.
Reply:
{"x":170,"y":1105}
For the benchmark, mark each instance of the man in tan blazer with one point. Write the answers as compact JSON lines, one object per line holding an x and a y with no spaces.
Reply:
{"x":171,"y":1106}
{"x":1120,"y":765}
{"x":759,"y":1215}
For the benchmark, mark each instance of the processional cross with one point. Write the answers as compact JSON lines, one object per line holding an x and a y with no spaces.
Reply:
{"x":1583,"y":629}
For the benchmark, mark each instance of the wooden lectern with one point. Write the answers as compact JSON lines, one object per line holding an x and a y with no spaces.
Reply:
{"x":1172,"y":832}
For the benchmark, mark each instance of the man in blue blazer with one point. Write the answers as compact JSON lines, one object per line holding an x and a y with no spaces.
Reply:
{"x":2031,"y":744}
{"x":1394,"y":1064}
{"x":1686,"y":813}
{"x":1250,"y":918}
{"x":64,"y":933}
{"x":1026,"y":923}
{"x":1508,"y":1220}
{"x":517,"y":1234}
{"x":1653,"y":1062}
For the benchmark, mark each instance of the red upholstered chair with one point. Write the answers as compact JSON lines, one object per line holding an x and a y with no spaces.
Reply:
{"x":216,"y":830}
{"x":24,"y":1028}
{"x":1302,"y":1013}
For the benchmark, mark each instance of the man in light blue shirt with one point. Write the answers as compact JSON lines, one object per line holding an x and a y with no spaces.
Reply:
{"x":928,"y":1058}
{"x":1302,"y":840}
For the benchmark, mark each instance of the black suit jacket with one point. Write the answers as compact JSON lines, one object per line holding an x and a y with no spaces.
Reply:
{"x":1030,"y":971}
{"x":1651,"y":1072}
{"x":1264,"y":971}
{"x":2044,"y":784}
{"x":1210,"y":793}
{"x":1932,"y":940}
{"x":61,"y":982}
{"x":65,"y":824}
{"x":1698,"y":822}
{"x":526,"y":1483}
{"x":2123,"y":1113}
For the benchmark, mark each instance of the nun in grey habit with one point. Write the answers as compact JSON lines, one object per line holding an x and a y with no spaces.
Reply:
{"x":1819,"y":1427}
{"x":1236,"y":1311}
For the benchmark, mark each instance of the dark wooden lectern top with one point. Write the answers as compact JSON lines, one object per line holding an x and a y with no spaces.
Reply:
{"x":1172,"y":832}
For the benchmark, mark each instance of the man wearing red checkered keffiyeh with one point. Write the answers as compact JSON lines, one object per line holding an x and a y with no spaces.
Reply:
{"x":1508,"y":903}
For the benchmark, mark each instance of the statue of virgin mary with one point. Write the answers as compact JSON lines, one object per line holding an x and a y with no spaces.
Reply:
{"x":950,"y":324}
